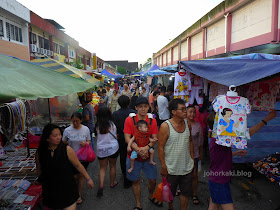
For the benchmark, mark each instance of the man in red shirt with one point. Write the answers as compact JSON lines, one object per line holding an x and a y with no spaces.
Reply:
{"x":142,"y":149}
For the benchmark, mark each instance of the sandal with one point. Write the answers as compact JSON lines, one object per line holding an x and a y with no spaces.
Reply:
{"x":80,"y":200}
{"x":137,"y":208}
{"x":195,"y":199}
{"x":115,"y":184}
{"x":156,"y":202}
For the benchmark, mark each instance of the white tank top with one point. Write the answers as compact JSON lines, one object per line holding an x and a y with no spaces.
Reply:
{"x":177,"y":151}
{"x":107,"y":144}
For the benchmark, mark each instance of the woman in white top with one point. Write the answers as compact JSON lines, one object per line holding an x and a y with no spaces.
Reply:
{"x":77,"y":136}
{"x":107,"y":147}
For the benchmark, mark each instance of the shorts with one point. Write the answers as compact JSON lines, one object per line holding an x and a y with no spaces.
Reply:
{"x":115,"y":155}
{"x":220,"y":193}
{"x":149,"y":170}
{"x":184,"y":182}
{"x":134,"y":154}
{"x":85,"y":164}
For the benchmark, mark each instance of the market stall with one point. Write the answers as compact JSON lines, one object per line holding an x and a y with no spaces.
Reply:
{"x":257,"y":78}
{"x":22,"y":79}
{"x":60,"y":107}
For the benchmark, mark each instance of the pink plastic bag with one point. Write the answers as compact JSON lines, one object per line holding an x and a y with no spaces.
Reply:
{"x":86,"y":153}
{"x":166,"y":191}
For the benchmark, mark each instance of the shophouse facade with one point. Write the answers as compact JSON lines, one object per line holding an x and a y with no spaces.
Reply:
{"x":14,"y":20}
{"x":48,"y":39}
{"x":232,"y":27}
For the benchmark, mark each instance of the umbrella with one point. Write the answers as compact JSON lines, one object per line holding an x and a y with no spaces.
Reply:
{"x":23,"y":79}
{"x":65,"y":69}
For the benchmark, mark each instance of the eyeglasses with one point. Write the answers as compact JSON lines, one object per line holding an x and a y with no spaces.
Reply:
{"x":183,"y":109}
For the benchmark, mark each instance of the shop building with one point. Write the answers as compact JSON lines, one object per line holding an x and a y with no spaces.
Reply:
{"x":231,"y":28}
{"x":99,"y":64}
{"x":47,"y":38}
{"x":109,"y":68}
{"x":14,"y":20}
{"x":129,"y":66}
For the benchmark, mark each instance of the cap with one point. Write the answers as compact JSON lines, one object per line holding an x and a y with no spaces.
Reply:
{"x":141,"y":100}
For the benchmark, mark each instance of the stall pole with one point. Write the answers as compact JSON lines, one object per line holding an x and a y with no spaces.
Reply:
{"x":27,"y":141}
{"x":50,"y":117}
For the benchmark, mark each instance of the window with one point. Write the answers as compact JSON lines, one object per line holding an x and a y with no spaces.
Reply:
{"x":56,"y":48}
{"x":1,"y":28}
{"x":62,"y":50}
{"x":41,"y":42}
{"x":20,"y":34}
{"x":8,"y":30}
{"x":72,"y":53}
{"x":46,"y":44}
{"x":13,"y":32}
{"x":33,"y":38}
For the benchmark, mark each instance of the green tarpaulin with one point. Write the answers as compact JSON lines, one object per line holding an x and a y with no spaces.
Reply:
{"x":22,"y":79}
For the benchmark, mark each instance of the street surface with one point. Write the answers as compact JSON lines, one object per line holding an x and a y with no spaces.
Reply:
{"x":248,"y":193}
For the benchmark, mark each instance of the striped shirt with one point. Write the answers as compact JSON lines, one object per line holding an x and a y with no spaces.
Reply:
{"x":177,"y":151}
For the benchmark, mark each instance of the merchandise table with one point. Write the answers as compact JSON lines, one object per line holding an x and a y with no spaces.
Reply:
{"x":17,"y":174}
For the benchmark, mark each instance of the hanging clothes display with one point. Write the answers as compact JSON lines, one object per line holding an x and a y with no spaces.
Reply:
{"x":230,"y":125}
{"x":160,"y":81}
{"x":196,"y":90}
{"x":262,"y":95}
{"x":216,"y":90}
{"x":149,"y":80}
{"x":182,"y":86}
{"x":166,"y":81}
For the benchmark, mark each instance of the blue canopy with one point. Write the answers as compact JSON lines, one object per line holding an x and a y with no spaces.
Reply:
{"x":108,"y":74}
{"x":171,"y":68}
{"x":238,"y":70}
{"x":157,"y":73}
{"x":154,"y":67}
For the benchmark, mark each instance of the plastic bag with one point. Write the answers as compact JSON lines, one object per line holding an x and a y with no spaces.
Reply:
{"x":166,"y":191}
{"x":158,"y":193}
{"x":86,"y":153}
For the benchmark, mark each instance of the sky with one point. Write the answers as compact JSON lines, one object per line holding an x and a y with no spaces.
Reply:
{"x":122,"y":29}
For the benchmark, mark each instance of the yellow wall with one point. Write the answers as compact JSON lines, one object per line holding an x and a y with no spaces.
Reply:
{"x":61,"y":57}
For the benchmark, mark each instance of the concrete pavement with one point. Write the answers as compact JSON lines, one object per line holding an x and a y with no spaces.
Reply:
{"x":257,"y":193}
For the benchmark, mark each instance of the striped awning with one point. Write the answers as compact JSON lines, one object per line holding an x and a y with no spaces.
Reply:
{"x":65,"y":69}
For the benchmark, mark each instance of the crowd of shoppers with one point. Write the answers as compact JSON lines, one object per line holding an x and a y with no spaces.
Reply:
{"x":125,"y":117}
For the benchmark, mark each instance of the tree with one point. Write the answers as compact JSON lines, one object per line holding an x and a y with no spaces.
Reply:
{"x":77,"y":64}
{"x":121,"y":70}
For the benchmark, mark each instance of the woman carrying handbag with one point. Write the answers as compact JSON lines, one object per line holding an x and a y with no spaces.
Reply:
{"x":107,"y":147}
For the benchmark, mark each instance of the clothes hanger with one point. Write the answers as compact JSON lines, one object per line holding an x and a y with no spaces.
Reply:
{"x":232,"y":91}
